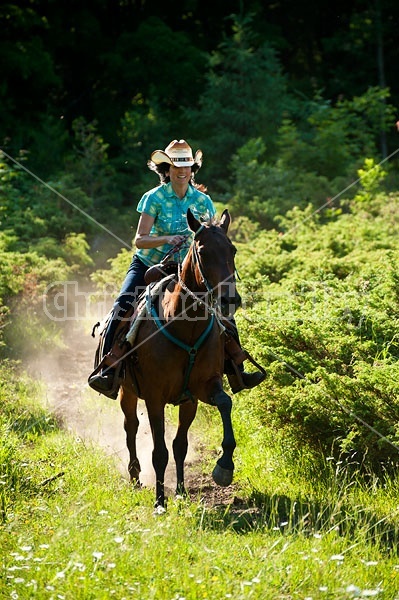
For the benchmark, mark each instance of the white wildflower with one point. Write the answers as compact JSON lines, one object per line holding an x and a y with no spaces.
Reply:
{"x":354,"y":590}
{"x":60,"y":575}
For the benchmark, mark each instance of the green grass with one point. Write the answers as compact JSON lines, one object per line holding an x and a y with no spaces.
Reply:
{"x":73,"y":528}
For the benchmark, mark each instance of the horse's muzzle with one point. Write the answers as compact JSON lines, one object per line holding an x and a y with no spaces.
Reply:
{"x":229,"y":302}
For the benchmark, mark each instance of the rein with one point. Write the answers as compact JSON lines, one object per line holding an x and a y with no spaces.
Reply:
{"x":174,"y":250}
{"x":210,"y":307}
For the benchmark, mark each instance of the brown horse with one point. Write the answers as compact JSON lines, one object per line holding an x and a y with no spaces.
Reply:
{"x":178,"y":354}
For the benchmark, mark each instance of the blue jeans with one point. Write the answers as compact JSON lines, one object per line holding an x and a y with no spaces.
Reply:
{"x":131,"y":288}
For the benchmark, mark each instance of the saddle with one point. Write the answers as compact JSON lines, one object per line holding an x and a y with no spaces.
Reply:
{"x":156,"y":277}
{"x":124,"y":338}
{"x":158,"y":272}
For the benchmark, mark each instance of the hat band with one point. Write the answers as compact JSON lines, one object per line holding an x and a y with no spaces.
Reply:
{"x":181,"y":160}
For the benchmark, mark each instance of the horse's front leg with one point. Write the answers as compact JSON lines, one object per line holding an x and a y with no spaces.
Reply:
{"x":223,"y":472}
{"x":187,"y":412}
{"x":160,"y":454}
{"x":128,"y":402}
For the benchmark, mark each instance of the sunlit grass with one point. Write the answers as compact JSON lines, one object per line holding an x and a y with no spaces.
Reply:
{"x":73,"y":527}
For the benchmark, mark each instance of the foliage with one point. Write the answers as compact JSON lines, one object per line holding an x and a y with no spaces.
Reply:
{"x":312,"y":163}
{"x":26,"y":59}
{"x":323,"y":313}
{"x":335,"y":138}
{"x":39,"y":246}
{"x":253,"y":70}
{"x":91,"y":168}
{"x":32,"y":211}
{"x":370,"y":177}
{"x":241,"y":75}
{"x":29,"y":282}
{"x":112,"y":277}
{"x":263,"y":190}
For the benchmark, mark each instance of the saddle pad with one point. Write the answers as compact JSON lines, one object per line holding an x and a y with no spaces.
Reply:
{"x":154,"y":289}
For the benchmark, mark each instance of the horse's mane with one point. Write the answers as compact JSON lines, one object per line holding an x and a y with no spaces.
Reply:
{"x":200,"y":186}
{"x":211,"y":221}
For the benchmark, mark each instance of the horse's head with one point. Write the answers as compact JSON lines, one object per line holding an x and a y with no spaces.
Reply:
{"x":213,"y":262}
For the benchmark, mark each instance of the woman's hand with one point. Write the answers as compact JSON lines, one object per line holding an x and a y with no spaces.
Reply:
{"x":174,"y":240}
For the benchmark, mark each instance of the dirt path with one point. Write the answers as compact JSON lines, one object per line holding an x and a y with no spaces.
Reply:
{"x":98,"y":420}
{"x":88,"y":415}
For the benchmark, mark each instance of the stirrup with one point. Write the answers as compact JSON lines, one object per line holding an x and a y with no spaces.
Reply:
{"x":235,"y":379}
{"x":117,"y":380}
{"x":253,"y":361}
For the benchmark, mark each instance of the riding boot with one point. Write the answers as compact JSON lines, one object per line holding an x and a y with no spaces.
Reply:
{"x":108,"y":379}
{"x":239,"y":379}
{"x":104,"y":382}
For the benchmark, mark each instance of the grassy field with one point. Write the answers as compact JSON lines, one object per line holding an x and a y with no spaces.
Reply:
{"x":73,"y":528}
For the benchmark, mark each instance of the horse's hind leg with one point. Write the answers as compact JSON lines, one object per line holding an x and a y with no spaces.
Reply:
{"x":128,"y":401}
{"x":187,"y":412}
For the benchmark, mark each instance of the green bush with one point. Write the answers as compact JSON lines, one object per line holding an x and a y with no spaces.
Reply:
{"x":321,"y":309}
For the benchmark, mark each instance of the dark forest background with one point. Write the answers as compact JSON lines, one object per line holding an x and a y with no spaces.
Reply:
{"x":285,"y":99}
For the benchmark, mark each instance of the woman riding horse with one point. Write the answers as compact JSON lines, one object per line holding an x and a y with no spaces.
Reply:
{"x":163,"y":228}
{"x":176,"y":356}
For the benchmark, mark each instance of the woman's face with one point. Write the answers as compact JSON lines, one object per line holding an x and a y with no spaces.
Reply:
{"x":179,"y":176}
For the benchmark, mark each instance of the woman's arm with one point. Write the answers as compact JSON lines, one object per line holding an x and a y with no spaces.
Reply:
{"x":143,"y":238}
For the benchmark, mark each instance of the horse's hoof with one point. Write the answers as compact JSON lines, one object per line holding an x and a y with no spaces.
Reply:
{"x":222,"y":477}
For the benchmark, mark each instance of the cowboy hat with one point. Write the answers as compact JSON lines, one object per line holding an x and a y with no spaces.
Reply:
{"x":178,"y":154}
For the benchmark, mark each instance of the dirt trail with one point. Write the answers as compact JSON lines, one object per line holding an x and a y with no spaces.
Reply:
{"x":99,"y":420}
{"x":88,"y":415}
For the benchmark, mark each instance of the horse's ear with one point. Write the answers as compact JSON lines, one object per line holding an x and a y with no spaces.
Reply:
{"x":225,"y":220}
{"x":193,"y":223}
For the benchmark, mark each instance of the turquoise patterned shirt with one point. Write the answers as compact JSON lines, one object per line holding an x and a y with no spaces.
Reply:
{"x":170,"y":218}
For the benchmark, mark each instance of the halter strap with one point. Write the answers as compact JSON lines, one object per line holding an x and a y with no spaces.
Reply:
{"x":199,"y":231}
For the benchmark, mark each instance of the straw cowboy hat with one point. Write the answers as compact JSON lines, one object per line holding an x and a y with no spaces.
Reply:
{"x":178,"y":154}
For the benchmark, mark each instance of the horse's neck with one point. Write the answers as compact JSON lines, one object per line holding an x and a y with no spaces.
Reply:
{"x":181,"y":305}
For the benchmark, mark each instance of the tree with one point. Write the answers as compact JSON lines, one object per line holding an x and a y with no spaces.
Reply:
{"x":28,"y":78}
{"x":245,"y":97}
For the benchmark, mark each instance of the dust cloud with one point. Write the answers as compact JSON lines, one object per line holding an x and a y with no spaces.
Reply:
{"x":91,"y":417}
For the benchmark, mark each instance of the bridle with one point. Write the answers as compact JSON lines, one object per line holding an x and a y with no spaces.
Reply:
{"x":210,"y":303}
{"x":214,"y":313}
